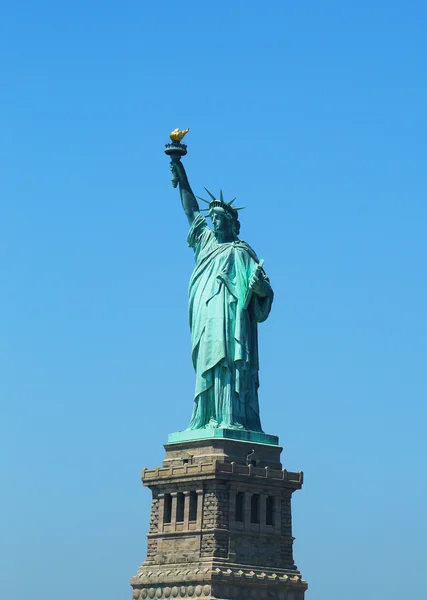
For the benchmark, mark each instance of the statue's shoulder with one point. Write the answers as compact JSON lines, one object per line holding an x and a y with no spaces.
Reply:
{"x":247,"y":248}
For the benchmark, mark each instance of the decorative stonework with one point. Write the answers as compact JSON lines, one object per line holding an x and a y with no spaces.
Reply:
{"x":223,"y":590}
{"x":182,"y":591}
{"x":232,"y":574}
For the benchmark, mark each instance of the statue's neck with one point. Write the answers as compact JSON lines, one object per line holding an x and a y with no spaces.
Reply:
{"x":225,"y":237}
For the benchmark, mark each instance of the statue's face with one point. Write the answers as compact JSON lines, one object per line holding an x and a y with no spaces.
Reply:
{"x":220,"y":221}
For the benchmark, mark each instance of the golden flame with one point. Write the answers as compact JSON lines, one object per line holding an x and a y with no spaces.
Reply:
{"x":177,"y":134}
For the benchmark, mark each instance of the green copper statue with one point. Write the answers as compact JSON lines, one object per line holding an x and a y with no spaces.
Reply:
{"x":229,"y":294}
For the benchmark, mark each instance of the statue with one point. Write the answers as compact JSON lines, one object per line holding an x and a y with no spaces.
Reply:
{"x":229,"y":294}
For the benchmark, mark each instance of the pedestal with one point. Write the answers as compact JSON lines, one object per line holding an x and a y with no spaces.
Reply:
{"x":220,"y":524}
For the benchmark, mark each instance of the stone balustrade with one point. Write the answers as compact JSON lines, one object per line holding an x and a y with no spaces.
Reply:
{"x":221,"y":468}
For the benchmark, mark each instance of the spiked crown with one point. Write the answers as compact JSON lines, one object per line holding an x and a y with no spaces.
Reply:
{"x":226,"y":206}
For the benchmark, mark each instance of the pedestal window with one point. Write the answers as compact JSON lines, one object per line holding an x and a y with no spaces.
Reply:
{"x":167,"y":511}
{"x":255,"y":502}
{"x":269,"y":511}
{"x":240,"y":498}
{"x":180,"y":502}
{"x":193,"y":506}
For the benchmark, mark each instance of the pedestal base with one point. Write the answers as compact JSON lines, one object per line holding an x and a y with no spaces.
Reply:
{"x":258,"y":437}
{"x":220,"y":525}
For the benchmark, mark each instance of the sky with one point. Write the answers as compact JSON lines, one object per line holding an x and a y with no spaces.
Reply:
{"x":313,"y":115}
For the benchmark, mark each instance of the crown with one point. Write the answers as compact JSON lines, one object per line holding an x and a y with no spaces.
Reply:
{"x":226,"y":206}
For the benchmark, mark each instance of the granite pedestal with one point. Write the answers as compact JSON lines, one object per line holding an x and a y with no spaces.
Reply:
{"x":220,"y":524}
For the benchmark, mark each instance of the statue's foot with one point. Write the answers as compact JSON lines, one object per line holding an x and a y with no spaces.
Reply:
{"x":232,"y":426}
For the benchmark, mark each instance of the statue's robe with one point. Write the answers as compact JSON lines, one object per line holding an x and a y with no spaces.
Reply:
{"x":223,"y":332}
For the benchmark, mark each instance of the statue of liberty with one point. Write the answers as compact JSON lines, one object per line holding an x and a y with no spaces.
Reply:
{"x":229,"y":294}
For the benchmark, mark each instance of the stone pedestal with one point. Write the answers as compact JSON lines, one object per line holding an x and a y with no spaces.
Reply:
{"x":220,"y":524}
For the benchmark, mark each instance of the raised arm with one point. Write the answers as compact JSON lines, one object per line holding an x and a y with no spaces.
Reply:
{"x":188,"y":199}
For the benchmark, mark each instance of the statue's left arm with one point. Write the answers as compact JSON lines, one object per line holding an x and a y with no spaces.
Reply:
{"x":260,"y":285}
{"x":262,"y":296}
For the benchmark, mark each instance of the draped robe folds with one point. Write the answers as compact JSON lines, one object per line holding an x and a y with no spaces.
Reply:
{"x":223,"y":333}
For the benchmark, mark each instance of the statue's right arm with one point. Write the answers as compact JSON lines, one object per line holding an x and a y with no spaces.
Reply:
{"x":188,"y":199}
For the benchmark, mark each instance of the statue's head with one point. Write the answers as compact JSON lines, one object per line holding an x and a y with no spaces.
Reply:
{"x":224,"y":221}
{"x":225,"y":218}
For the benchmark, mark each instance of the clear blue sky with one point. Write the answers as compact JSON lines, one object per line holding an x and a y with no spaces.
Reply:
{"x":314,"y":115}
